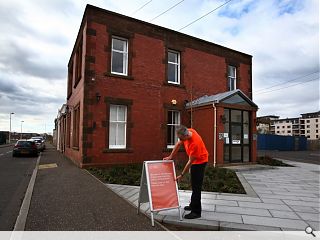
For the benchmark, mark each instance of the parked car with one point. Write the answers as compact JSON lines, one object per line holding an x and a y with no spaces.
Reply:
{"x":25,"y":147}
{"x":39,"y":143}
{"x":41,"y":146}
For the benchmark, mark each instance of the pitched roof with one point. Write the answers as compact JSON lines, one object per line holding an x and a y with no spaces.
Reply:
{"x":221,"y":97}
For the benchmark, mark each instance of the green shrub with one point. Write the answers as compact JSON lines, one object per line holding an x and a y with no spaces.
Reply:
{"x":267,"y":160}
{"x":215,"y":179}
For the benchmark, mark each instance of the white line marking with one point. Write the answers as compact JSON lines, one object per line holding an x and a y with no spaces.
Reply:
{"x":22,"y":217}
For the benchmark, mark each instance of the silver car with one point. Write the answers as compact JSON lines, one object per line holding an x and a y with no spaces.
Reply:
{"x":40,"y":143}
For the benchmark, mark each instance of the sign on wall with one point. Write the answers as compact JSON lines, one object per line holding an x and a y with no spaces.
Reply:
{"x":158,"y":187}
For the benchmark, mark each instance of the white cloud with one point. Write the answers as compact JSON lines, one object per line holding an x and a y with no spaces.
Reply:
{"x":38,"y":36}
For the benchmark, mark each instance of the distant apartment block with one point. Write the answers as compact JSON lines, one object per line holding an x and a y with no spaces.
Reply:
{"x":307,"y":125}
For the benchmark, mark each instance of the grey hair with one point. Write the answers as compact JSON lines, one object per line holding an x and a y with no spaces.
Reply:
{"x":182,"y":130}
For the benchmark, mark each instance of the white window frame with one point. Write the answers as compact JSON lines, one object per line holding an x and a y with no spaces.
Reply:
{"x":125,"y":56}
{"x":177,"y":67}
{"x":230,"y":87}
{"x":174,"y":125}
{"x":117,"y":122}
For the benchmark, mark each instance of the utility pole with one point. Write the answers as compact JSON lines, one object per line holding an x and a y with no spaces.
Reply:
{"x":21,"y":130}
{"x":10,"y":128}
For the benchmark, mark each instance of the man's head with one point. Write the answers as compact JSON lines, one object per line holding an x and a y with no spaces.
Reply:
{"x":183,"y":133}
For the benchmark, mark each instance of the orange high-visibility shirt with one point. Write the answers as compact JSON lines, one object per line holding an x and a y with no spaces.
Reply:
{"x":195,"y":147}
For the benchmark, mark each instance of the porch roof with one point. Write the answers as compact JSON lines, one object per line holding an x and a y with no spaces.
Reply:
{"x":231,"y":97}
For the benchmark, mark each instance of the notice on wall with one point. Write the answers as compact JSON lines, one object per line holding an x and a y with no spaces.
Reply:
{"x":236,"y":142}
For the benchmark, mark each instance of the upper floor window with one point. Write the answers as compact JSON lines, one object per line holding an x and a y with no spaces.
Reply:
{"x":118,"y":126}
{"x":78,"y":67}
{"x":173,"y":67}
{"x":172,"y":124}
{"x":232,"y":78}
{"x":119,"y":56}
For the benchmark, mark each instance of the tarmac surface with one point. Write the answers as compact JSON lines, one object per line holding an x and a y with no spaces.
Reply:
{"x":66,"y":198}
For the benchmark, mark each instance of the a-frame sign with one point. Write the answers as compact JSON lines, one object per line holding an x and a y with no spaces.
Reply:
{"x":159,"y":187}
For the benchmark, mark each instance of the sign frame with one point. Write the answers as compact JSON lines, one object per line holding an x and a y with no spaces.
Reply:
{"x":145,"y":194}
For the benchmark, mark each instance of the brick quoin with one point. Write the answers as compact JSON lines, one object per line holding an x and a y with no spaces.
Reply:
{"x":145,"y":90}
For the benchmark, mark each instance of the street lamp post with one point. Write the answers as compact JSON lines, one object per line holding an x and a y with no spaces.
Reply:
{"x":10,"y":128}
{"x":21,"y":130}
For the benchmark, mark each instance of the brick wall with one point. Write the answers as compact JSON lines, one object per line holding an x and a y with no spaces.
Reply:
{"x":203,"y":71}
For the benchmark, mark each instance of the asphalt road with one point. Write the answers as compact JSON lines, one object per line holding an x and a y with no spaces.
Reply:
{"x":15,"y":174}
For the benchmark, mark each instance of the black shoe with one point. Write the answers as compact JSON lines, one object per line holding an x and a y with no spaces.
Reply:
{"x":192,"y":215}
{"x":187,"y":208}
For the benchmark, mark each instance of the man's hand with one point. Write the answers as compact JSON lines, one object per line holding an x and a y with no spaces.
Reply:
{"x":167,"y":158}
{"x":178,"y":178}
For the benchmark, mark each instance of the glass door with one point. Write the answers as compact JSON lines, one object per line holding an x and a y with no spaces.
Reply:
{"x":236,"y":136}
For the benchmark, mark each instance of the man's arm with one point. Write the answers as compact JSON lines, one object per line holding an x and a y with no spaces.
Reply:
{"x":174,"y":151}
{"x":186,"y":167}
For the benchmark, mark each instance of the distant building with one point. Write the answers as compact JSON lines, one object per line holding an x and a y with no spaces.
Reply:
{"x":263,"y":124}
{"x":285,"y":127}
{"x":307,"y":125}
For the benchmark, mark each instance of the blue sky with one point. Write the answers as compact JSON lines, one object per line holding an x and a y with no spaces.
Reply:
{"x":38,"y":36}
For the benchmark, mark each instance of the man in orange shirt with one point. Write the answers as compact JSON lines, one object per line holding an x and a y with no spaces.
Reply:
{"x":198,"y":158}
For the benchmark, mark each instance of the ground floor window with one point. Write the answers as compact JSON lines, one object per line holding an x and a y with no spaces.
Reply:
{"x":236,"y":136}
{"x":117,"y":126}
{"x":172,"y":123}
{"x":76,"y":126}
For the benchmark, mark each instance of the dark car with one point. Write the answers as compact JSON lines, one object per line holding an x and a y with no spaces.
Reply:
{"x":25,"y":147}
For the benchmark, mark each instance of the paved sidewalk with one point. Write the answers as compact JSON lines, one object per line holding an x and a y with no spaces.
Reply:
{"x":285,"y":198}
{"x":66,"y":198}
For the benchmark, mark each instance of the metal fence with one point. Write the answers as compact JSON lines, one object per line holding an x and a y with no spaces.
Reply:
{"x":281,"y":143}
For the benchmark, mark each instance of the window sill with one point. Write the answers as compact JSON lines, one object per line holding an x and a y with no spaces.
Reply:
{"x":75,"y":148}
{"x":113,"y":150}
{"x":174,"y":85}
{"x":108,"y":74}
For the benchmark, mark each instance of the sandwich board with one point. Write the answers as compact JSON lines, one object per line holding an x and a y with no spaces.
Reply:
{"x":159,"y":187}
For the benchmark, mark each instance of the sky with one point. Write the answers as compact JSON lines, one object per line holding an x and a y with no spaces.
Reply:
{"x":37,"y":38}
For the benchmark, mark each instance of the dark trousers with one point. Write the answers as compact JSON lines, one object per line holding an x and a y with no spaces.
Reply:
{"x":197,"y":174}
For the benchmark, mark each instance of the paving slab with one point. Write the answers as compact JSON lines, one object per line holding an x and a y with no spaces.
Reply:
{"x":227,"y":217}
{"x":265,"y":206}
{"x":279,"y":199}
{"x":309,"y":216}
{"x":301,"y":203}
{"x":275,"y":222}
{"x":243,"y":210}
{"x":284,"y":214}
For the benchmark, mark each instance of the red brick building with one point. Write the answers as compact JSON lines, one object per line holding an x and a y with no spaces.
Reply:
{"x":130,"y":83}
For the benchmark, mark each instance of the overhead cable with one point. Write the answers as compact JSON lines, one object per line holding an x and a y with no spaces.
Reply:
{"x":205,"y":15}
{"x":263,"y":89}
{"x":166,"y":10}
{"x":141,"y":7}
{"x":290,"y":85}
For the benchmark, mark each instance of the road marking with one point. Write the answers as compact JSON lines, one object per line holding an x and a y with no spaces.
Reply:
{"x":9,"y":152}
{"x":49,"y":165}
{"x":1,"y":154}
{"x":22,"y":217}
